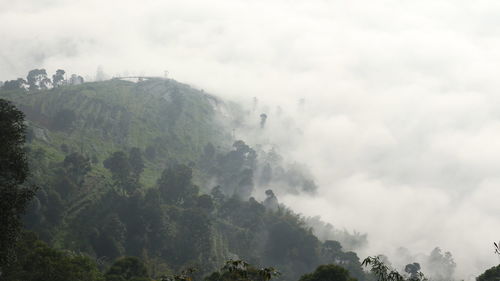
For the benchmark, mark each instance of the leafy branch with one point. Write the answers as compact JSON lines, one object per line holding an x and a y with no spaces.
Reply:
{"x":384,"y":273}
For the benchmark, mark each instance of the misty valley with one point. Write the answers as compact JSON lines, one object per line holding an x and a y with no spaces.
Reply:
{"x":153,"y":179}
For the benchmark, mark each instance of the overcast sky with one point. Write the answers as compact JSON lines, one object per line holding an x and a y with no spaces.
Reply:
{"x":401,"y":123}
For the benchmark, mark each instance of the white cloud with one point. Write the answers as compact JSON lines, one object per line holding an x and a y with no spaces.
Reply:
{"x":401,"y":118}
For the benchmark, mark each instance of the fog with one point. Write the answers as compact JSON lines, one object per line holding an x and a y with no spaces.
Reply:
{"x":401,"y":119}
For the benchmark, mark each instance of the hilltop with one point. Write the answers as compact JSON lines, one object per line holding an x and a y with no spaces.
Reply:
{"x":170,"y":121}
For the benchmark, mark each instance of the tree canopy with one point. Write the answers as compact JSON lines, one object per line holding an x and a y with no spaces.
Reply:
{"x":330,"y":272}
{"x":14,"y":196}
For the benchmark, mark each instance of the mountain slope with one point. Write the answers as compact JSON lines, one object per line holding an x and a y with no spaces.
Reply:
{"x":170,"y":120}
{"x":149,"y":169}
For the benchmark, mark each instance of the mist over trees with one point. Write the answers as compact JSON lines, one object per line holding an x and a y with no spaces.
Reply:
{"x":126,"y":192}
{"x":436,"y":265}
{"x":263,"y":119}
{"x":171,"y":224}
{"x":38,"y":79}
{"x":326,"y":231}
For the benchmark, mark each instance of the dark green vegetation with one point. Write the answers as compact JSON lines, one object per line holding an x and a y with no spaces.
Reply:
{"x":149,"y":170}
{"x":37,"y":261}
{"x":143,"y":180}
{"x":384,"y":273}
{"x":240,"y":270}
{"x":14,"y":193}
{"x":328,"y":272}
{"x":492,"y":274}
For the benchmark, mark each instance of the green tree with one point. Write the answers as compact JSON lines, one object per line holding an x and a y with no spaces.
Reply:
{"x":331,"y":252}
{"x":14,"y":84}
{"x":38,"y":80}
{"x":194,"y":234}
{"x":237,"y":270}
{"x":176,"y":187}
{"x":413,"y":269}
{"x":38,"y":262}
{"x":384,"y":273}
{"x":290,"y":242}
{"x":492,"y":274}
{"x":127,"y":269}
{"x":14,"y":196}
{"x":329,"y":272}
{"x":119,"y":166}
{"x":77,"y":166}
{"x":58,"y":78}
{"x":235,"y":170}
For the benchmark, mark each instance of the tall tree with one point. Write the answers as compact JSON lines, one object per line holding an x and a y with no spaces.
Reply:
{"x":441,"y":265}
{"x":38,"y":80}
{"x":77,"y":166}
{"x":263,"y":118}
{"x":58,"y":78}
{"x":14,"y":196}
{"x":175,"y":185}
{"x":119,"y":167}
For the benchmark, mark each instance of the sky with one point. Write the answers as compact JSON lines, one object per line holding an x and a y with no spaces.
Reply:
{"x":401,"y":116}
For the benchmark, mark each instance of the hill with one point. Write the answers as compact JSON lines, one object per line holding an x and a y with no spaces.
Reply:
{"x":169,"y":120}
{"x":149,"y":169}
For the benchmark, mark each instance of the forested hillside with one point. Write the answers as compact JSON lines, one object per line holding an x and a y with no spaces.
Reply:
{"x":151,"y":170}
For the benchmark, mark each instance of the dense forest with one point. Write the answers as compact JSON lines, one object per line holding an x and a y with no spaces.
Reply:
{"x":117,"y":180}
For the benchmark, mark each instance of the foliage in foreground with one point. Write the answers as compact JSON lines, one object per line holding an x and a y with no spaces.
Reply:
{"x":492,"y":274}
{"x":127,"y":269}
{"x":328,"y":272}
{"x":36,"y":261}
{"x":237,"y":270}
{"x":384,"y":273}
{"x":14,"y":196}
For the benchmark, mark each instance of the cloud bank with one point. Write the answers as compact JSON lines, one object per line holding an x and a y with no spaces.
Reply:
{"x":401,"y":120}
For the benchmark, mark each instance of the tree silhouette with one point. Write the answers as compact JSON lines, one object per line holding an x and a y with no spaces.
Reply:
{"x":263,"y":118}
{"x":14,"y":196}
{"x":58,"y":78}
{"x":328,"y":272}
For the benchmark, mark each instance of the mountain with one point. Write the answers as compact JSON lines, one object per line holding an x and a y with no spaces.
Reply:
{"x":151,"y":169}
{"x":170,"y":120}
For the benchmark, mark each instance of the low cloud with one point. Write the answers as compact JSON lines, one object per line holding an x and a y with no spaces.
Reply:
{"x":400,"y":118}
